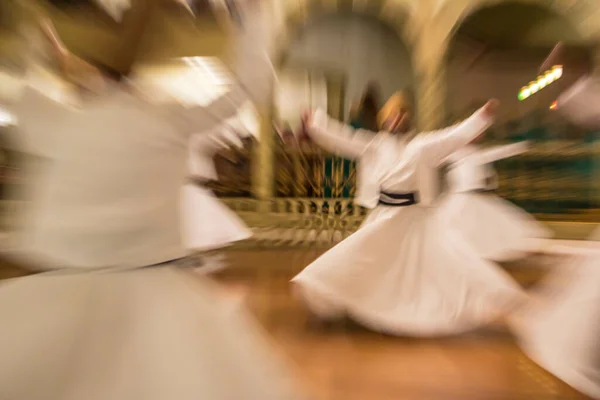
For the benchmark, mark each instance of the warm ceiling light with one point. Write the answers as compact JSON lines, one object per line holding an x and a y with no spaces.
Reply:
{"x":545,"y":79}
{"x":534,"y":87}
{"x":210,"y":67}
{"x":6,"y":118}
{"x":554,"y":105}
{"x":557,"y":71}
{"x":542,"y":82}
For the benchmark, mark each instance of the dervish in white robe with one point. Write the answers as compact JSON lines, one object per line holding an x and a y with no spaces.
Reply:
{"x":561,"y":329}
{"x":207,"y":223}
{"x":113,"y":317}
{"x":403,"y":272}
{"x":498,"y":230}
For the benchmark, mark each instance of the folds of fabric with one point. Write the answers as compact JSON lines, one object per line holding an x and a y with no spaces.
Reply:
{"x":403,"y":274}
{"x":496,"y":229}
{"x":560,"y":330}
{"x":152,"y":334}
{"x":208,"y":223}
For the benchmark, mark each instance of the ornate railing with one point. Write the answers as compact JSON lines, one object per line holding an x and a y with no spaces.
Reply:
{"x":313,"y":205}
{"x":308,"y":172}
{"x":300,"y":221}
{"x":557,"y":180}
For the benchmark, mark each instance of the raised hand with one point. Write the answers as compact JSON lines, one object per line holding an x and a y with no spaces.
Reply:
{"x":307,"y":117}
{"x":491,"y":107}
{"x":304,"y":132}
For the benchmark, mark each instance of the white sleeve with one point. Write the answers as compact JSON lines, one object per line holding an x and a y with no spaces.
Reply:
{"x":39,"y":119}
{"x":496,"y":153}
{"x":438,"y":145}
{"x":338,"y":138}
{"x":581,"y":102}
{"x":252,"y":71}
{"x":457,"y":156}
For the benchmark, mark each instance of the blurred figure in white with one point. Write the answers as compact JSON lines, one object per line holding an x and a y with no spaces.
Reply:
{"x":113,"y":317}
{"x":403,"y":272}
{"x":561,"y":329}
{"x":498,"y":230}
{"x":207,"y":223}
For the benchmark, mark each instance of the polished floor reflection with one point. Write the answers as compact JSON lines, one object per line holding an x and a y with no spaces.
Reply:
{"x":345,"y":362}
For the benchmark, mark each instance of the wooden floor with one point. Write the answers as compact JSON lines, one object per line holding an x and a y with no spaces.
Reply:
{"x":346,"y":362}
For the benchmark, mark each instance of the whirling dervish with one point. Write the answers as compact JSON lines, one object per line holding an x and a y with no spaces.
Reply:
{"x":114,"y":317}
{"x":498,"y":230}
{"x":403,"y":272}
{"x":561,"y":330}
{"x":207,"y":223}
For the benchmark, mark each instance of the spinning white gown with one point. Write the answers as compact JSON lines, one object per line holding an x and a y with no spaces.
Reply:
{"x":402,"y":272}
{"x":561,"y":331}
{"x":498,"y":230}
{"x":105,"y":324}
{"x":207,"y":223}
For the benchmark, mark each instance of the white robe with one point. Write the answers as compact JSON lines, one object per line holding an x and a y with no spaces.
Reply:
{"x":89,"y":215}
{"x":207,"y":223}
{"x":498,"y":230}
{"x":402,"y":272}
{"x":112,"y":200}
{"x":561,"y":331}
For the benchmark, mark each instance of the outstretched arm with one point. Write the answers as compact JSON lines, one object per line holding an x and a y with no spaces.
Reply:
{"x":581,"y":103}
{"x":496,"y":153}
{"x":438,"y":145}
{"x":336,"y":137}
{"x":457,"y":156}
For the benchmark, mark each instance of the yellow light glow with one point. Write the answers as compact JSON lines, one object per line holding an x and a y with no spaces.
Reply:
{"x":533,"y":87}
{"x":541,"y":82}
{"x":554,"y":105}
{"x":6,"y":118}
{"x":557,"y":71}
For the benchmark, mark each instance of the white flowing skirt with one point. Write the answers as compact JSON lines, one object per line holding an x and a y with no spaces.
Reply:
{"x":207,"y":223}
{"x":561,"y":330}
{"x":497,"y":229}
{"x":405,"y":273}
{"x":158,"y":333}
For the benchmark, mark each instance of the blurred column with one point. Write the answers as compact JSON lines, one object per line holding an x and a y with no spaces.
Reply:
{"x":134,"y":25}
{"x":263,"y":160}
{"x":596,"y":144}
{"x":429,"y":60}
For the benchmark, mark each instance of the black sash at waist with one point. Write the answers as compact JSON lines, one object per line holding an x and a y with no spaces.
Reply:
{"x":398,"y":199}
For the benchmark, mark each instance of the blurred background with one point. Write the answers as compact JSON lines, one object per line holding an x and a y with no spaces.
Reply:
{"x":449,"y":56}
{"x":347,"y":56}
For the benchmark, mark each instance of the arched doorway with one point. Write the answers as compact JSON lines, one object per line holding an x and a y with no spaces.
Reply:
{"x":329,"y":63}
{"x":495,"y":52}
